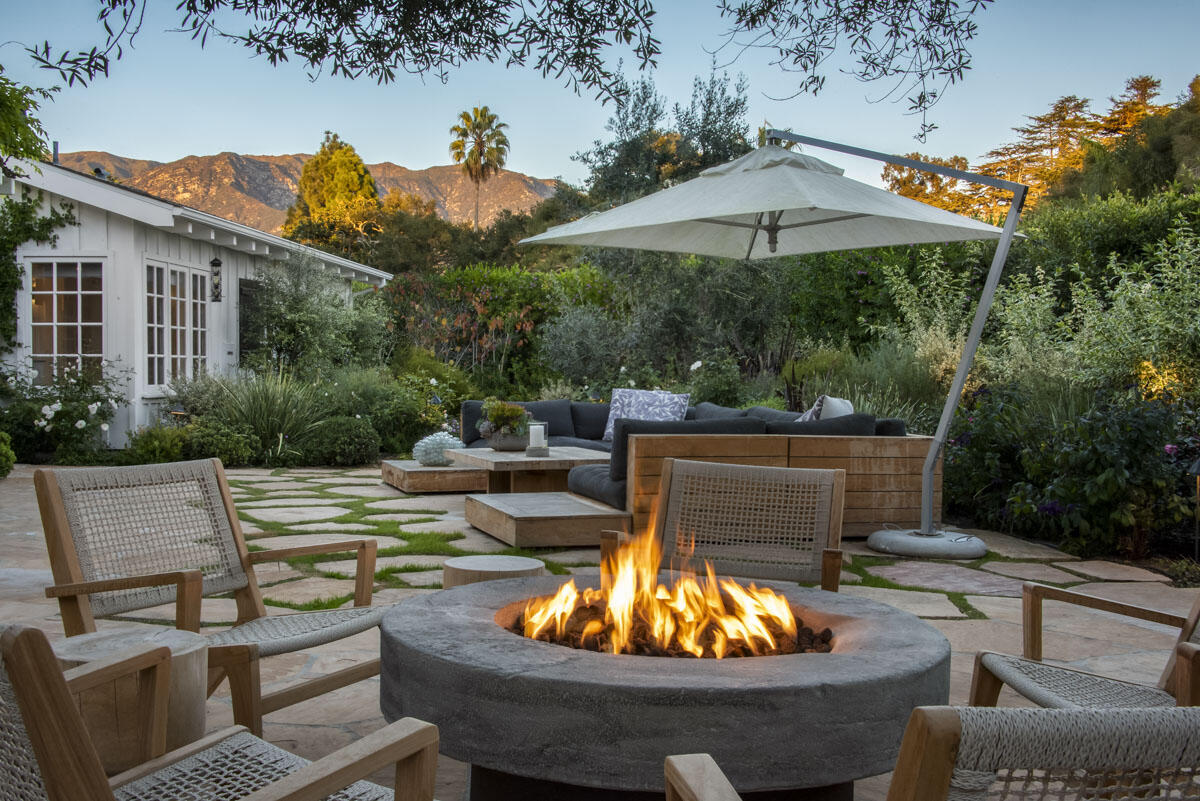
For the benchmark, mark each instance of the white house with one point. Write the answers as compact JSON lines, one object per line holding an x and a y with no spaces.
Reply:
{"x":145,"y":284}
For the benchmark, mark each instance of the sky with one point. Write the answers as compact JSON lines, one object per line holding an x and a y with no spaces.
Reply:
{"x":167,"y":98}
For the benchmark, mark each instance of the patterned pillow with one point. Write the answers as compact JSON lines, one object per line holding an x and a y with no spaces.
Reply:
{"x":826,"y":408}
{"x":644,"y":404}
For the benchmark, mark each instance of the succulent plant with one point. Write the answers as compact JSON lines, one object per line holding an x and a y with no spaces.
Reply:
{"x":429,"y":450}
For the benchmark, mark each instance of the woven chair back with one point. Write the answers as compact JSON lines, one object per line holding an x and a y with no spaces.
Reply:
{"x":134,"y":521}
{"x":1059,"y":754}
{"x":20,"y":774}
{"x":760,"y":522}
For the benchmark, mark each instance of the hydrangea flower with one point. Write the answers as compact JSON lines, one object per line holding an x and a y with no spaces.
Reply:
{"x":696,"y":365}
{"x":104,"y":426}
{"x":92,"y":407}
{"x":433,"y":382}
{"x":81,"y":424}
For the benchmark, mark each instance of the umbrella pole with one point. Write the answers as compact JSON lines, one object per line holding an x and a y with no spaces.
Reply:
{"x":928,"y":541}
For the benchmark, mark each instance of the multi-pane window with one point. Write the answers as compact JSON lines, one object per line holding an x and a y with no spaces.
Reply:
{"x":176,"y":323}
{"x":68,"y":317}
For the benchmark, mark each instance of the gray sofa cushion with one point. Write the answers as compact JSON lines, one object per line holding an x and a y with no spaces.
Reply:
{"x":555,"y":413}
{"x":712,"y":411}
{"x":623,"y":428}
{"x":580,"y":442}
{"x":592,"y":481}
{"x":590,"y":419}
{"x":890,"y":427}
{"x":468,"y":416}
{"x":770,"y":415}
{"x":848,"y":425}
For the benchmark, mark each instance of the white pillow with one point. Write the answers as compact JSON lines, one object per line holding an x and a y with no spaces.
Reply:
{"x":644,"y":404}
{"x":826,"y":408}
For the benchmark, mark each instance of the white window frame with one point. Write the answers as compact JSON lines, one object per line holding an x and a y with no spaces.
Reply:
{"x":177,"y":321}
{"x":56,"y":326}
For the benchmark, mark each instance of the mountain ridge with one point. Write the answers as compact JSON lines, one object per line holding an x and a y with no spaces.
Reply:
{"x":256,"y":190}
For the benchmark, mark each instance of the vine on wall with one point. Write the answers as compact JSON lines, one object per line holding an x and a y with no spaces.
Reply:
{"x":21,"y":222}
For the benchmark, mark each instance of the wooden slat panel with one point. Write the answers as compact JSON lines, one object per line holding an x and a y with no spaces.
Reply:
{"x":802,"y":446}
{"x":702,"y":446}
{"x":653,"y":466}
{"x":888,"y":482}
{"x":897,"y":465}
{"x":880,"y":514}
{"x":899,"y":500}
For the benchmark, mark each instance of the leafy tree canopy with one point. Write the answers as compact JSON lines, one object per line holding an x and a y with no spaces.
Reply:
{"x":337,"y":202}
{"x":918,"y":46}
{"x":480,"y":146}
{"x":21,"y":133}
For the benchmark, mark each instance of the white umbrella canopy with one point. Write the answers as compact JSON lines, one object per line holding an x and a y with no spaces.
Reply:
{"x":769,"y":202}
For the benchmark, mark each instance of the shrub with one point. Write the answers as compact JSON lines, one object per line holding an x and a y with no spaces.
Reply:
{"x":584,"y":345}
{"x":156,"y":443}
{"x":717,"y":379}
{"x":277,"y":411}
{"x":202,"y":396}
{"x":209,"y":438}
{"x":401,"y":410}
{"x":7,"y":457}
{"x":342,"y":442}
{"x":66,"y":418}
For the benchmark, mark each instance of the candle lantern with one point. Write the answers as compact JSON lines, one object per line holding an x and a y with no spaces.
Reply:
{"x":537,"y":440}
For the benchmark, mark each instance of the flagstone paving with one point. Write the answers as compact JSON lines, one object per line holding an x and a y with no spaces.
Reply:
{"x":976,"y":604}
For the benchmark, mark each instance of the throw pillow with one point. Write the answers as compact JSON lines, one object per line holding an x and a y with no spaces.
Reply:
{"x":827,"y":407}
{"x":644,"y":404}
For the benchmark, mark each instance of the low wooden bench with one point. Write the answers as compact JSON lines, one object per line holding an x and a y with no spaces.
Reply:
{"x":883,"y":474}
{"x":543,"y":519}
{"x":413,"y":477}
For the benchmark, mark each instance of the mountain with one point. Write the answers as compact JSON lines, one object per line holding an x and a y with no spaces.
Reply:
{"x":257,"y":190}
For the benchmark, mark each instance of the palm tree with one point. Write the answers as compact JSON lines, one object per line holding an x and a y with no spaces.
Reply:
{"x":480,"y":146}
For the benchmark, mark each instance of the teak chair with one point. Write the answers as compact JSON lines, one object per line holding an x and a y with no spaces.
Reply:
{"x":980,"y":753}
{"x":758,"y":522}
{"x":1055,"y":686}
{"x":128,"y":538}
{"x":47,"y":755}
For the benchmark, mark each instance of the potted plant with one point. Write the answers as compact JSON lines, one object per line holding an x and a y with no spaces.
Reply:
{"x":504,"y":425}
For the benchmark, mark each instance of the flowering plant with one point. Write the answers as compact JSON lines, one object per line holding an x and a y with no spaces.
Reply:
{"x":500,"y":417}
{"x":66,"y":418}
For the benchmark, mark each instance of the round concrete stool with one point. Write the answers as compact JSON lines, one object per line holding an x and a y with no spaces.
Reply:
{"x":111,"y":712}
{"x":470,"y":569}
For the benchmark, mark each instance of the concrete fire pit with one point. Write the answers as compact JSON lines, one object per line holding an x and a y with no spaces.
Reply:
{"x":516,"y":706}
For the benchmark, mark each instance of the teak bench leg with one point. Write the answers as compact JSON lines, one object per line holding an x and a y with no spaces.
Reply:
{"x":985,"y":687}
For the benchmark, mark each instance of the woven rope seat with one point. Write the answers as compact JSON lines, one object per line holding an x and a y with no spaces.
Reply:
{"x":281,"y":634}
{"x":1057,"y":687}
{"x":230,"y":770}
{"x":1076,"y":753}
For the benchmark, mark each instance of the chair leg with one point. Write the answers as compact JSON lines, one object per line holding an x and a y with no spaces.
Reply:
{"x":246,"y":691}
{"x":985,"y":687}
{"x":216,"y":675}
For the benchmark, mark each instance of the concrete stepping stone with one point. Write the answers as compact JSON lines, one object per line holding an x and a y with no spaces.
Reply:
{"x":288,"y":501}
{"x":921,"y":604}
{"x":584,"y":570}
{"x":331,"y":527}
{"x":447,"y":525}
{"x":1016,"y":548}
{"x":345,"y":567}
{"x":1031,"y":571}
{"x":298,"y":514}
{"x":250,"y":528}
{"x":394,"y":595}
{"x":347,"y":480}
{"x":280,"y":485}
{"x":1151,"y":594}
{"x":364,"y":471}
{"x":394,"y":517}
{"x":269,"y":572}
{"x":1111,"y":571}
{"x":576,"y":556}
{"x":948,"y":578}
{"x":294,"y":540}
{"x":423,"y":503}
{"x":308,"y":589}
{"x":474,"y":540}
{"x":269,"y":495}
{"x":857,"y":548}
{"x":426,"y":578}
{"x":368,"y":491}
{"x":1106,"y":627}
{"x":849,"y":578}
{"x":256,"y":473}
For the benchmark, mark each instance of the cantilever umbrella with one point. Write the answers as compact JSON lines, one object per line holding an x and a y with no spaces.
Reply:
{"x":773,"y":202}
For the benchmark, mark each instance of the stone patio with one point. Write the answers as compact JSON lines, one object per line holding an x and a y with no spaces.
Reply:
{"x":974,"y":605}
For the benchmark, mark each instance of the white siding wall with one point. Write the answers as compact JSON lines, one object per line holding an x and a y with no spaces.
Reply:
{"x":124,"y":246}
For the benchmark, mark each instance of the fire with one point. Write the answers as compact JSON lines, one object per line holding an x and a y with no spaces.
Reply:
{"x":633,"y":613}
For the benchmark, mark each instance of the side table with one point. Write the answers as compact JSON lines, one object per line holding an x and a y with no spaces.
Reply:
{"x":111,"y":712}
{"x":462,"y":570}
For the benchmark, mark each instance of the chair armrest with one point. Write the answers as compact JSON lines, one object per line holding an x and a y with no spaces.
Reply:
{"x":1187,"y":674}
{"x":188,"y":593}
{"x":364,"y":570}
{"x":831,"y":569}
{"x":696,"y":777}
{"x":410,"y":744}
{"x":1033,"y":594}
{"x":152,"y":667}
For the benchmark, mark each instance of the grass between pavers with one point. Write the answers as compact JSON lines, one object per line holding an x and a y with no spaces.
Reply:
{"x":859,"y":564}
{"x":316,"y":604}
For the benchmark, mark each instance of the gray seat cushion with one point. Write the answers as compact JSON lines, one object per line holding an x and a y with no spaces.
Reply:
{"x":468,"y":416}
{"x":770,"y":415}
{"x":713,"y":411}
{"x":890,"y":427}
{"x":592,"y":481}
{"x":848,"y":425}
{"x":580,"y":442}
{"x":624,"y":427}
{"x":590,"y":419}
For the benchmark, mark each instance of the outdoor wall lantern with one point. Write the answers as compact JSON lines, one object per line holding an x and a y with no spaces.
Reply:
{"x":215,"y":264}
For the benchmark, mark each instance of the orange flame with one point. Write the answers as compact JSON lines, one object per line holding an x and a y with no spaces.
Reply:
{"x":691,"y":615}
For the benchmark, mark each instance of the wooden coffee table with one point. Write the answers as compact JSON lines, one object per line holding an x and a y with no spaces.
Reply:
{"x":513,"y":471}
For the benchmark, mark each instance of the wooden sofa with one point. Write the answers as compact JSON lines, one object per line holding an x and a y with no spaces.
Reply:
{"x":883,"y":474}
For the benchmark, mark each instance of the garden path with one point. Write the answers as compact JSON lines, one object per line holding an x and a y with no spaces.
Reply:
{"x":976,"y":605}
